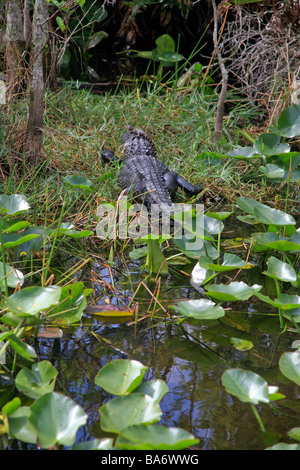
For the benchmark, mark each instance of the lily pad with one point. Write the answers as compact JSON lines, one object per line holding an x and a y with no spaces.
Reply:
{"x":248,"y":386}
{"x":135,"y":408}
{"x":120,"y":376}
{"x":38,"y":381}
{"x":289,"y":365}
{"x":269,"y":144}
{"x":230,"y":262}
{"x":31,"y":300}
{"x":80,"y":182}
{"x":277,"y":269}
{"x":13,"y":204}
{"x":202,"y":309}
{"x":289,"y":122}
{"x":233,"y":291}
{"x":56,"y":419}
{"x":155,"y":437}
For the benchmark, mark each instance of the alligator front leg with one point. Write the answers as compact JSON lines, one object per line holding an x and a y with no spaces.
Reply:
{"x":173,"y":180}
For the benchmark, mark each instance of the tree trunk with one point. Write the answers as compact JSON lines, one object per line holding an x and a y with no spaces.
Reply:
{"x":14,"y":49}
{"x":36,"y":106}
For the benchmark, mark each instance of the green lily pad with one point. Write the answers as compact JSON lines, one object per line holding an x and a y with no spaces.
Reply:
{"x":10,"y":275}
{"x":289,"y":365}
{"x":272,"y":171}
{"x":289,"y":122}
{"x":202,"y":309}
{"x":31,"y":300}
{"x":230,"y":262}
{"x":155,"y":437}
{"x":38,"y":381}
{"x":248,"y":386}
{"x":155,"y":388}
{"x":243,"y":153}
{"x":13,"y":204}
{"x":120,"y":376}
{"x":56,"y":419}
{"x":270,"y":240}
{"x":232,"y":291}
{"x":277,"y":269}
{"x":269,"y":144}
{"x":80,"y":182}
{"x":135,"y":408}
{"x":270,"y":216}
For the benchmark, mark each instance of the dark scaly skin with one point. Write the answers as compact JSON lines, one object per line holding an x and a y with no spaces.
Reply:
{"x":145,"y":174}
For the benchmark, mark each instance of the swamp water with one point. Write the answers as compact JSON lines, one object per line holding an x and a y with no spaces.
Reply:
{"x":190,"y":356}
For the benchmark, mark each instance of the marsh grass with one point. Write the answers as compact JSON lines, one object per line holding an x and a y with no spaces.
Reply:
{"x":77,"y":123}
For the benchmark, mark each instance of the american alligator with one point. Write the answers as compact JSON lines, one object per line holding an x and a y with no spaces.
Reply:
{"x":145,"y":174}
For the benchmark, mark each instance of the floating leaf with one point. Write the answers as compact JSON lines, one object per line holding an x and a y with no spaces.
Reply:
{"x":13,"y":204}
{"x":248,"y":386}
{"x":247,"y":204}
{"x":38,"y":381}
{"x":10,"y":275}
{"x":230,"y":262}
{"x":241,"y":344}
{"x":218,"y":215}
{"x":270,"y":240}
{"x":105,"y":310}
{"x":155,"y":388}
{"x":56,"y":419}
{"x":120,"y":376}
{"x":24,"y":350}
{"x":80,"y":182}
{"x":277,"y":269}
{"x":95,"y":39}
{"x":155,"y":437}
{"x":135,"y":408}
{"x":95,"y":444}
{"x":289,"y":122}
{"x":232,"y":291}
{"x":267,"y":215}
{"x":289,"y":365}
{"x":31,"y":300}
{"x":202,"y":309}
{"x":272,"y":171}
{"x":20,"y":427}
{"x":269,"y":144}
{"x":242,"y":153}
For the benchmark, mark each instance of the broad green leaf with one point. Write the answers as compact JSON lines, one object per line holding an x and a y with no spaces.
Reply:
{"x":289,"y":365}
{"x":269,"y":144}
{"x":20,"y":427}
{"x":31,"y":300}
{"x":243,"y":153}
{"x":248,"y":386}
{"x":95,"y":39}
{"x":202,"y":309}
{"x":267,"y":215}
{"x":121,"y":412}
{"x":295,"y":434}
{"x":71,"y":306}
{"x":230,"y":262}
{"x":95,"y":444}
{"x":37,"y":237}
{"x":155,"y":437}
{"x":12,"y":276}
{"x":165,"y":43}
{"x":13,"y":204}
{"x":80,"y":182}
{"x":38,"y":381}
{"x":272,"y":171}
{"x":21,"y":348}
{"x":12,"y":240}
{"x":233,"y":291}
{"x":283,"y":446}
{"x":284,"y":302}
{"x":289,"y":122}
{"x":120,"y":376}
{"x":247,"y":204}
{"x":56,"y":419}
{"x":155,"y":388}
{"x":168,"y":56}
{"x":218,"y":215}
{"x":12,"y":406}
{"x":241,"y":344}
{"x":270,"y":240}
{"x":199,"y":275}
{"x":277,"y":269}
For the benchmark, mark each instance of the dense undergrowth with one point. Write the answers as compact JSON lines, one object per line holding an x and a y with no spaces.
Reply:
{"x":52,"y":209}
